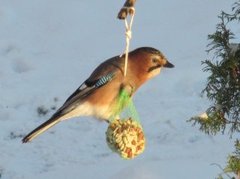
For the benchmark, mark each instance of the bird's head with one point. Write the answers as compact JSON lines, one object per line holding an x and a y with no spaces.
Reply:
{"x":148,"y":62}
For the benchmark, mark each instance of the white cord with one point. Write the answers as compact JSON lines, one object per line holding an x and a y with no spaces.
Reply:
{"x":128,"y":34}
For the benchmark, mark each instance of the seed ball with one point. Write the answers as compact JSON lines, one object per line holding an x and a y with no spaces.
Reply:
{"x":126,"y":138}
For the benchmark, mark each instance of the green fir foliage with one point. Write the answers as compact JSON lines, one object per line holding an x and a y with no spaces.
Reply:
{"x":223,"y":87}
{"x":234,"y":160}
{"x":223,"y":83}
{"x":233,"y":164}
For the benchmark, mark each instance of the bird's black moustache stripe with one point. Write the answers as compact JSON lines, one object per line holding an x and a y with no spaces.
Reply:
{"x":153,"y":68}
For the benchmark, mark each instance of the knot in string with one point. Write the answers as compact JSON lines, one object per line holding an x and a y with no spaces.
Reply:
{"x":128,"y":34}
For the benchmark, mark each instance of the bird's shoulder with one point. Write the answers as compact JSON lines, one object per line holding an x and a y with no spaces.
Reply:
{"x":112,"y":65}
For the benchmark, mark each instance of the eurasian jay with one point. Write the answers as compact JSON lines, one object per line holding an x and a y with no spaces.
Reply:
{"x":98,"y":96}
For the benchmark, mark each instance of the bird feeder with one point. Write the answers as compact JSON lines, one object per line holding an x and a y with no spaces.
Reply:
{"x":126,"y":138}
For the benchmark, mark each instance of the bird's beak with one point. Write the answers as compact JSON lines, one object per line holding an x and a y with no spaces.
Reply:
{"x":168,"y":65}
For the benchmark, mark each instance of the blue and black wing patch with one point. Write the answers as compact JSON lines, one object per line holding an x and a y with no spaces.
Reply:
{"x":104,"y":80}
{"x":89,"y":86}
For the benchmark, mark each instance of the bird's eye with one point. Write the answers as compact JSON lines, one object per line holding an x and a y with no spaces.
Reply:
{"x":154,"y":60}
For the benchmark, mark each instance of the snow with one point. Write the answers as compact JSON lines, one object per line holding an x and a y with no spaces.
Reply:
{"x":48,"y":48}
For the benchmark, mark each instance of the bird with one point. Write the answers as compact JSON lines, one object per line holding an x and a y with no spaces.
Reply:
{"x":98,"y":96}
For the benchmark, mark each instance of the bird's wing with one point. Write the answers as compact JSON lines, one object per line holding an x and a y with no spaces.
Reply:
{"x":85,"y":89}
{"x":102,"y":75}
{"x":89,"y":86}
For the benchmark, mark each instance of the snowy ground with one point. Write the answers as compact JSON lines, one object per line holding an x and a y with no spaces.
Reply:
{"x":48,"y":48}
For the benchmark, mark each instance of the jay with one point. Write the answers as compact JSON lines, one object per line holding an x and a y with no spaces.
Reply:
{"x":98,"y":95}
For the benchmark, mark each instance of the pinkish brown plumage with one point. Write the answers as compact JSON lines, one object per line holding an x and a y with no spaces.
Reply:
{"x":98,"y":95}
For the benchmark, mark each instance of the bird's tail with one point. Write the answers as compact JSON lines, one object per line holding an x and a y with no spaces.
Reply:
{"x":40,"y":129}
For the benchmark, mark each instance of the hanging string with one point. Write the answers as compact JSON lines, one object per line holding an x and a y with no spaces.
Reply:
{"x":127,"y":10}
{"x":128,"y":34}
